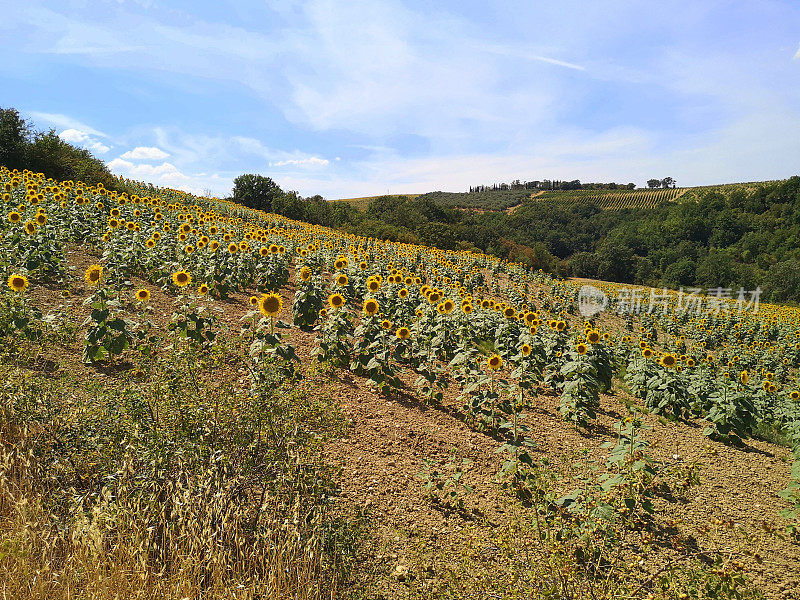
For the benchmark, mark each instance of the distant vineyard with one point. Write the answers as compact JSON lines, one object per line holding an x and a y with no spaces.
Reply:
{"x":613,"y":199}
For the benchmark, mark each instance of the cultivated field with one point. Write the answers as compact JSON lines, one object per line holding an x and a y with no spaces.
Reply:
{"x":202,"y":400}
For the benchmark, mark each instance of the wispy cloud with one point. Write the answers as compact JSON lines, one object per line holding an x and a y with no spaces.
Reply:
{"x":302,"y":162}
{"x":797,"y":54}
{"x":65,"y":121}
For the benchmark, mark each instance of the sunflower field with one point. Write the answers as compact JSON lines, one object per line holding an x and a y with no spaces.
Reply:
{"x":414,"y":321}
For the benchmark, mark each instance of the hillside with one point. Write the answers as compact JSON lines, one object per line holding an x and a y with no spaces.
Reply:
{"x":363,"y":202}
{"x":204,"y":398}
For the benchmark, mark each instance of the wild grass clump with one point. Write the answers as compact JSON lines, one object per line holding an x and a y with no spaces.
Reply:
{"x":169,"y":484}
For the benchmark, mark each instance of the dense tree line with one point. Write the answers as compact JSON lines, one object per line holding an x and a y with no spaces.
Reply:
{"x":549,"y":185}
{"x":21,"y":147}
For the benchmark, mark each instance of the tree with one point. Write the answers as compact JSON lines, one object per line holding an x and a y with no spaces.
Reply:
{"x":256,"y":191}
{"x":14,"y":138}
{"x":653,"y":183}
{"x":667,"y":182}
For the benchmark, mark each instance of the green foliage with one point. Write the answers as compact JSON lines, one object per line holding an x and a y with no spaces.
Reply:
{"x":446,"y":482}
{"x":45,"y":152}
{"x":107,"y":333}
{"x":255,"y":191}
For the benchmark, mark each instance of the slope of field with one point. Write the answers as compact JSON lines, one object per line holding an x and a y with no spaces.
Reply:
{"x":206,"y":400}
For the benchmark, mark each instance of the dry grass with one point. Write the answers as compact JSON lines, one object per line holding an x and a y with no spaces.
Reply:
{"x":173,"y":487}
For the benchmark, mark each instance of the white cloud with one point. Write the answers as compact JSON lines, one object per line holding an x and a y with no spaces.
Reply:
{"x":145,"y":153}
{"x":163,"y":174}
{"x":80,"y":138}
{"x":302,"y":162}
{"x":66,"y":122}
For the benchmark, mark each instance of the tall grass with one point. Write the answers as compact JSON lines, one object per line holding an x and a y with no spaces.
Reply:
{"x":175,"y":485}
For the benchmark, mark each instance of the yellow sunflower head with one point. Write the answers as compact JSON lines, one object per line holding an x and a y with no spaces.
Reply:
{"x":203,"y":289}
{"x":305,"y":274}
{"x":93,"y":275}
{"x":402,"y":293}
{"x":386,"y":324}
{"x":668,"y":360}
{"x":14,"y":217}
{"x":448,"y":306}
{"x":341,"y":279}
{"x":371,"y":307}
{"x":336,"y":300}
{"x":581,"y":348}
{"x":593,"y":336}
{"x":142,"y":295}
{"x":270,"y":304}
{"x":30,"y":227}
{"x":373,"y":285}
{"x":403,"y":333}
{"x":18,"y":283}
{"x":526,"y":349}
{"x":495,"y":362}
{"x":744,"y":377}
{"x":181,"y":278}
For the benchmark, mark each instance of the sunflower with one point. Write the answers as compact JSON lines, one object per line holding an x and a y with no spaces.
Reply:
{"x":323,"y":313}
{"x":795,"y":395}
{"x":495,"y":363}
{"x":14,"y":217}
{"x":30,"y":227}
{"x":371,"y":307}
{"x":561,"y":325}
{"x":744,"y":377}
{"x":233,"y":248}
{"x":581,"y":348}
{"x":263,"y":251}
{"x":341,"y":280}
{"x":403,"y":333}
{"x":203,"y":289}
{"x":373,"y":285}
{"x":189,"y":249}
{"x":213,"y":245}
{"x":434,"y":297}
{"x":253,"y":300}
{"x":270,"y":304}
{"x":18,"y":282}
{"x":305,"y":274}
{"x":386,"y":324}
{"x":466,"y":308}
{"x":41,"y":218}
{"x":181,"y":278}
{"x":142,"y":295}
{"x":448,"y":306}
{"x":336,"y":300}
{"x":647,"y":353}
{"x":526,"y":349}
{"x":509,"y":313}
{"x":93,"y":275}
{"x":593,"y":336}
{"x":402,"y":293}
{"x":668,"y":360}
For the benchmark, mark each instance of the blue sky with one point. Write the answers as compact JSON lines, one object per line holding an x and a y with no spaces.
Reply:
{"x":355,"y":98}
